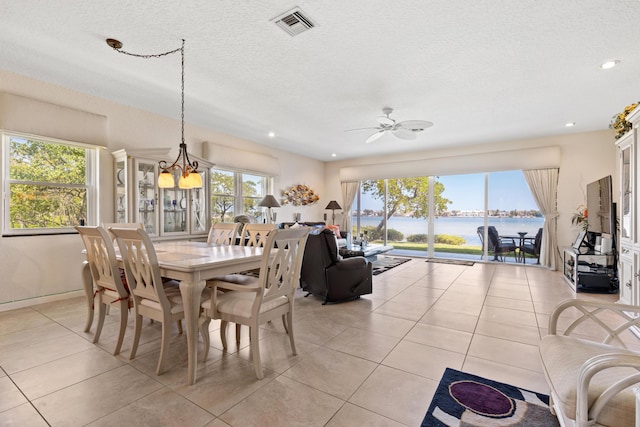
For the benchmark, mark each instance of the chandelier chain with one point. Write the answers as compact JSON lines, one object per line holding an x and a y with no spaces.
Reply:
{"x":182,"y":88}
{"x":187,"y":168}
{"x":159,"y":55}
{"x":151,"y":55}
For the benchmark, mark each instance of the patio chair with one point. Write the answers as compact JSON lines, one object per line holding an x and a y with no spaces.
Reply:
{"x":532,"y":248}
{"x":497,"y":245}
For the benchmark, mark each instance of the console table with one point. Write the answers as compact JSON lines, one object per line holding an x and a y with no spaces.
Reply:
{"x":370,"y":252}
{"x":590,"y":271}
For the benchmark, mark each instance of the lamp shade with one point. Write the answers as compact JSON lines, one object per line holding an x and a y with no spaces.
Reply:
{"x":269,"y":202}
{"x":333,"y":205}
{"x":195,"y":180}
{"x":165,"y":180}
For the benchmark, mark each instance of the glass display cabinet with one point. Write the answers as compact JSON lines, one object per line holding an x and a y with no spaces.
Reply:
{"x":626,"y":147}
{"x":628,"y":208}
{"x":166,"y":212}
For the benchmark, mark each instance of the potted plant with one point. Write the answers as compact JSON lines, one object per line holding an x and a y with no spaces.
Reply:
{"x":619,"y":122}
{"x":580,"y":218}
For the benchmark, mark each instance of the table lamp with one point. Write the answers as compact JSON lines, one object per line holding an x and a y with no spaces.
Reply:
{"x":269,"y":202}
{"x":333,"y":205}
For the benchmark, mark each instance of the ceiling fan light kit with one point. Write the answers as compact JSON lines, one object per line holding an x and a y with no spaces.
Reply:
{"x":402,"y":130}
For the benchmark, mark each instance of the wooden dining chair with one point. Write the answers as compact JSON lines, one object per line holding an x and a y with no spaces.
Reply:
{"x":107,"y":280}
{"x":260,"y":299}
{"x":255,"y":235}
{"x":108,"y":225}
{"x":252,"y":235}
{"x":223,"y":233}
{"x":151,"y":297}
{"x":87,"y":274}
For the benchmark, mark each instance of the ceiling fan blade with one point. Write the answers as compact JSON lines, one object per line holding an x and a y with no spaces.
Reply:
{"x":376,"y":128}
{"x":415,"y":125}
{"x":375,"y":136}
{"x":403,"y":133}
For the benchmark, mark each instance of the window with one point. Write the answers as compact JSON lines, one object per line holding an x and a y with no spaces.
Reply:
{"x":234,"y":193}
{"x":223,"y":195}
{"x":49,"y":185}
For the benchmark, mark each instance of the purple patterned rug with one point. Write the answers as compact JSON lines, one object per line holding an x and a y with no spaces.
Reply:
{"x":465,"y":400}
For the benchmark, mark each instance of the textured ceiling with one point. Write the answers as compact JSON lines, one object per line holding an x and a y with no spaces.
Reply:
{"x":483,"y":71}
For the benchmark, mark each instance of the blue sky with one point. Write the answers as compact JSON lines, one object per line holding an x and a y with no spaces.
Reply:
{"x":507,"y":190}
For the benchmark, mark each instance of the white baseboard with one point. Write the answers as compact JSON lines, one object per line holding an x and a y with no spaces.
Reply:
{"x":39,"y":300}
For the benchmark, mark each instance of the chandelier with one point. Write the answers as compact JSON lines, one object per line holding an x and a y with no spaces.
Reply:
{"x":189,"y":176}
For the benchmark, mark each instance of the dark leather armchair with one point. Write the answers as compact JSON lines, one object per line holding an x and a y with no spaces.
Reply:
{"x":325,"y":274}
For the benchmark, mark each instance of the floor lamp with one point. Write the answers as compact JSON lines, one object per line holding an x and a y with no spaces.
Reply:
{"x":269,"y":202}
{"x":333,"y":205}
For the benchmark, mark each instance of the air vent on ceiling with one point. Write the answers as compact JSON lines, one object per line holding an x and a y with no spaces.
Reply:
{"x":294,"y":22}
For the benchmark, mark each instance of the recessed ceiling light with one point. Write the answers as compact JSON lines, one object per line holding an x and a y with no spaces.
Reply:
{"x":609,"y":64}
{"x":272,"y":134}
{"x":333,"y":154}
{"x":570,"y":124}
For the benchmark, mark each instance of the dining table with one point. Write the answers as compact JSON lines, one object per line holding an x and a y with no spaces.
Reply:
{"x":192,"y":264}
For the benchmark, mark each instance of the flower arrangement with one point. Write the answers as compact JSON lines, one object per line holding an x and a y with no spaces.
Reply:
{"x":581,"y":217}
{"x":619,"y":122}
{"x":299,"y":195}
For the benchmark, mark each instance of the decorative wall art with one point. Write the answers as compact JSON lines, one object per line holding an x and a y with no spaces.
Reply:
{"x":299,"y":195}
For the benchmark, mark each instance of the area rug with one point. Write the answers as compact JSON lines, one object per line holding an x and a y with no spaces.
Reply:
{"x":450,"y":261}
{"x":465,"y":400}
{"x":385,"y":263}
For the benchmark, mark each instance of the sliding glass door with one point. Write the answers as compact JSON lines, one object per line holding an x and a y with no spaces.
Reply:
{"x":512,"y":211}
{"x":445,"y":216}
{"x":456,"y":229}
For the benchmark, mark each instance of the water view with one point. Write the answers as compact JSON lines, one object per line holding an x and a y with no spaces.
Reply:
{"x":464,"y":227}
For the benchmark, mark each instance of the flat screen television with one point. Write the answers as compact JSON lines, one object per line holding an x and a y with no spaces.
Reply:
{"x":600,"y":207}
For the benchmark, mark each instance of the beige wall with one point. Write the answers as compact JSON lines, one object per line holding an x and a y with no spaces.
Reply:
{"x":45,"y":266}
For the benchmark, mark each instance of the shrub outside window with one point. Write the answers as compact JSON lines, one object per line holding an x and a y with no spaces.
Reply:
{"x":49,"y":185}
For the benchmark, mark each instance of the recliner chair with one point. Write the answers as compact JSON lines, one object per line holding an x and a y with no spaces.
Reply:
{"x":325,"y":274}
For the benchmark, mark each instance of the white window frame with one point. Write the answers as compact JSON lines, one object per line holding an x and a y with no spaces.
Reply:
{"x":90,"y":185}
{"x":237,"y":182}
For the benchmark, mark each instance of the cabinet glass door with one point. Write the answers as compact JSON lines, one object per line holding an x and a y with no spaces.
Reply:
{"x":199,"y":208}
{"x":146,"y":196}
{"x":121,"y":192}
{"x":174,"y":208}
{"x":627,"y":193}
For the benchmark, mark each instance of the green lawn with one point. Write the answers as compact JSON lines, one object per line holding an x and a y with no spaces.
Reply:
{"x":438,"y":247}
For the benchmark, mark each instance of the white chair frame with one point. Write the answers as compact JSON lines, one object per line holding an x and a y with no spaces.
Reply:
{"x":261,"y":299}
{"x":106,"y":278}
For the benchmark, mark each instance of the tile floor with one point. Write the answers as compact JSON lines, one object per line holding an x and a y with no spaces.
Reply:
{"x":374,"y":361}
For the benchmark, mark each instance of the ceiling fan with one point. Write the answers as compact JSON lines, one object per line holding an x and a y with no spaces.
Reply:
{"x":403,"y":130}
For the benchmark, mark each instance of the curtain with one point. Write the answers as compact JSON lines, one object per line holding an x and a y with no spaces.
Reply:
{"x":349,"y":192}
{"x":543,"y":184}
